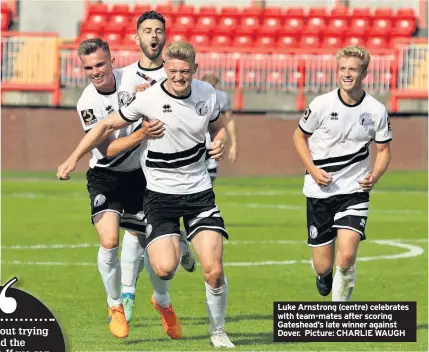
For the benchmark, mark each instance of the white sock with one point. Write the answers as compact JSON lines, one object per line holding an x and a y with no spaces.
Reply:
{"x":130,"y":259}
{"x":216,"y":299}
{"x":160,"y":287}
{"x":110,"y":270}
{"x":344,"y":282}
{"x":141,"y":265}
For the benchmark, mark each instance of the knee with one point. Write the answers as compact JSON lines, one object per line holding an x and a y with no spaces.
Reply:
{"x":163,"y":271}
{"x":322,"y":268}
{"x":345,"y":259}
{"x":213,"y":275}
{"x":109,"y":242}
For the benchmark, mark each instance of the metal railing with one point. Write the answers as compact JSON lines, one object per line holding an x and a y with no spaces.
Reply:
{"x":35,"y":62}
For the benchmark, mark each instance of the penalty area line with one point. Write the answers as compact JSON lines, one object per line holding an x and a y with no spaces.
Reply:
{"x":412,"y":251}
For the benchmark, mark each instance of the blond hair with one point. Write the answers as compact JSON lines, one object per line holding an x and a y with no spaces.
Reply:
{"x":180,"y":51}
{"x":355,"y":51}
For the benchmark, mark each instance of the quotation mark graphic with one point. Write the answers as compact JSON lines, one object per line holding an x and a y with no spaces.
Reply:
{"x":7,"y":304}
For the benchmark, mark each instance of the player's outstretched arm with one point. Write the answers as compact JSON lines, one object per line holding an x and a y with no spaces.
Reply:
{"x":95,"y":136}
{"x":218,"y":134}
{"x":152,"y":129}
{"x":382,"y":162}
{"x":230,"y":127}
{"x":300,"y":139}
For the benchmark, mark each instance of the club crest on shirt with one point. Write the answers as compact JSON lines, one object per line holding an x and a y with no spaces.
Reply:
{"x":88,"y":117}
{"x":366,"y":121}
{"x":124,"y":98}
{"x":201,"y":108}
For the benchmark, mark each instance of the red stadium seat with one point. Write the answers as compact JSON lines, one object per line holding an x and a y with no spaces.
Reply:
{"x":89,"y":35}
{"x":97,"y":19}
{"x":117,"y":22}
{"x":165,"y":9}
{"x":381,"y":27}
{"x":273,"y":12}
{"x":270,"y":25}
{"x":242,"y":41}
{"x":249,"y":24}
{"x":184,"y":9}
{"x":382,"y":22}
{"x":179,"y":34}
{"x":377,"y":42}
{"x":293,"y":24}
{"x":201,"y":39}
{"x":285,"y":41}
{"x":357,"y":39}
{"x":139,"y":9}
{"x":120,"y":9}
{"x":185,"y":21}
{"x":386,"y":13}
{"x":208,"y":11}
{"x":227,"y":24}
{"x":316,"y":18}
{"x":255,"y":11}
{"x":338,"y":19}
{"x":265,"y":42}
{"x":360,"y":19}
{"x":405,"y":24}
{"x":309,"y":41}
{"x":129,"y":36}
{"x":113,"y":37}
{"x":295,"y":12}
{"x":332,"y":41}
{"x":220,"y":41}
{"x":90,"y":27}
{"x":98,"y":8}
{"x":230,"y":11}
{"x":404,"y":28}
{"x":206,"y":23}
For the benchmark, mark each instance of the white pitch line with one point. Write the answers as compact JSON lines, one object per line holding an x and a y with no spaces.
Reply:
{"x":413,"y":251}
{"x":274,"y":193}
{"x":30,"y":195}
{"x":237,"y":242}
{"x":297,"y":207}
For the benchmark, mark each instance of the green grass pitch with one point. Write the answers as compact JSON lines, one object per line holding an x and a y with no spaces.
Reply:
{"x":266,"y":221}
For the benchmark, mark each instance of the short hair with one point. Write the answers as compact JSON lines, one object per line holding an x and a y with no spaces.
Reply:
{"x":180,"y":51}
{"x":150,"y":15}
{"x":90,"y":46}
{"x":210,"y":78}
{"x":355,"y":51}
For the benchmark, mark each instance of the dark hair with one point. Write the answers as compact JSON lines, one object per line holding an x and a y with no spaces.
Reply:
{"x":150,"y":15}
{"x":90,"y":46}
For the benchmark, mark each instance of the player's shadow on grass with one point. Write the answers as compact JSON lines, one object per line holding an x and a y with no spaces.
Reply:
{"x":422,"y":327}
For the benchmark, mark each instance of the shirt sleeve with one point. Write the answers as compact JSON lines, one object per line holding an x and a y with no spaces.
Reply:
{"x":216,"y":107}
{"x":383,"y":134}
{"x":134,"y":110}
{"x":226,"y":106}
{"x":126,"y":90}
{"x":89,"y":114}
{"x":310,"y":119}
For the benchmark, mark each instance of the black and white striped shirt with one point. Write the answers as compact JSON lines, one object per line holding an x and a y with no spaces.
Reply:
{"x":94,"y":106}
{"x":340,"y":140}
{"x":174,"y":164}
